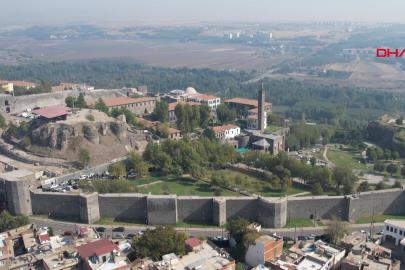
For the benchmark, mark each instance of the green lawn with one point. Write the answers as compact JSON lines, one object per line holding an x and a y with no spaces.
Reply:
{"x":145,"y":180}
{"x":378,"y":218}
{"x":183,"y":186}
{"x":272,"y":128}
{"x":345,"y":157}
{"x":257,"y":185}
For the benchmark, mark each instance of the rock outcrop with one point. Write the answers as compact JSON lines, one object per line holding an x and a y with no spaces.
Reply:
{"x":58,"y":136}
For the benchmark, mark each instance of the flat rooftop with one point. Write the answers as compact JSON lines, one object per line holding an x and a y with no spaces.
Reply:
{"x":395,"y":222}
{"x":207,"y":257}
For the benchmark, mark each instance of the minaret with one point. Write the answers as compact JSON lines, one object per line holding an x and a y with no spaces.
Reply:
{"x":261,"y":101}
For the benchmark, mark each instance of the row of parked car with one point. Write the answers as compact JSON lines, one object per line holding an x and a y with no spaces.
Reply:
{"x":63,"y":187}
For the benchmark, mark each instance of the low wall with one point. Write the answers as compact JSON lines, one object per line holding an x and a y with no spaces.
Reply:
{"x":195,"y":209}
{"x":322,"y":207}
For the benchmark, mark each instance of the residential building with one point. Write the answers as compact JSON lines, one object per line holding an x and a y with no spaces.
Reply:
{"x":172,"y":108}
{"x":102,"y":254}
{"x":394,"y":230}
{"x":174,"y":134}
{"x":266,"y":248}
{"x":309,"y":255}
{"x":369,"y":256}
{"x":140,"y":106}
{"x":211,"y":101}
{"x":71,"y":86}
{"x":208,"y":257}
{"x":226,"y":132}
{"x":9,"y":86}
{"x":245,"y":107}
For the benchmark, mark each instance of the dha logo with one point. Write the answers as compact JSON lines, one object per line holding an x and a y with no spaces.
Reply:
{"x":387,"y":53}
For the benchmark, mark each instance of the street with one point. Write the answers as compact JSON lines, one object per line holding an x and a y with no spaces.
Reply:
{"x":60,"y":226}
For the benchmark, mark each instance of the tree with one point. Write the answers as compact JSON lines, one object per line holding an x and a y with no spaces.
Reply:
{"x":118,"y":170}
{"x":158,"y":242}
{"x":364,"y":186}
{"x":80,"y":102}
{"x":239,"y":230}
{"x":397,"y":184}
{"x":100,"y":105}
{"x":317,"y":189}
{"x":162,"y":130}
{"x":379,"y":167}
{"x":403,"y":170}
{"x":399,"y":121}
{"x":84,"y":157}
{"x":161,"y":112}
{"x":205,"y":115}
{"x":392,"y":168}
{"x":380,"y":186}
{"x":3,"y":122}
{"x":336,"y":230}
{"x":70,"y":101}
{"x":136,"y":163}
{"x":312,"y":160}
{"x":344,"y":176}
{"x":9,"y":222}
{"x":225,"y":114}
{"x":209,"y":134}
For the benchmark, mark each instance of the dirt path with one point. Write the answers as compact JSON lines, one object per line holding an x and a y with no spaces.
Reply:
{"x":153,"y":183}
{"x":325,"y":156}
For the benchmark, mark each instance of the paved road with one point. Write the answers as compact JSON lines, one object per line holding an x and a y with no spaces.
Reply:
{"x":61,"y":226}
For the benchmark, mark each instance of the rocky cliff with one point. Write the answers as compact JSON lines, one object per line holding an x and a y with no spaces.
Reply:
{"x":59,"y":135}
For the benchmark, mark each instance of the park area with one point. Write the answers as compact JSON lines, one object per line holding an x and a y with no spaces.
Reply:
{"x":230,"y":183}
{"x":346,"y":157}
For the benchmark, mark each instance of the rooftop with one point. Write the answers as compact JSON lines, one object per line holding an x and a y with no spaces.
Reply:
{"x":119,"y":101}
{"x":208,"y":258}
{"x":266,"y":239}
{"x":245,"y":101}
{"x":52,"y":111}
{"x":223,"y":128}
{"x":193,"y":242}
{"x":395,"y":222}
{"x":204,"y":97}
{"x":99,"y":247}
{"x":19,"y":83}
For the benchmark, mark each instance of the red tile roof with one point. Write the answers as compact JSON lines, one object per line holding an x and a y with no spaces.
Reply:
{"x":244,"y":101}
{"x":44,"y":238}
{"x":193,"y":242}
{"x":119,"y":101}
{"x":19,"y":83}
{"x":223,"y":128}
{"x":98,"y":248}
{"x":172,"y":106}
{"x":205,"y":97}
{"x":52,"y":111}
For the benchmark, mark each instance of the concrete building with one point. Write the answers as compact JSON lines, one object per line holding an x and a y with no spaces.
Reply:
{"x":211,"y":101}
{"x":8,"y":86}
{"x":245,"y":106}
{"x":310,"y":255}
{"x":52,"y":113}
{"x":369,"y":256}
{"x":174,"y":134}
{"x":267,"y":142}
{"x":261,"y":117}
{"x":252,"y":120}
{"x":226,"y":132}
{"x":266,"y":248}
{"x":139,"y":106}
{"x":208,"y":257}
{"x":394,"y":230}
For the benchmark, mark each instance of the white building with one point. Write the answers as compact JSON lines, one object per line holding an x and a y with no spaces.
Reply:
{"x":395,"y":230}
{"x":209,"y":100}
{"x":226,"y":132}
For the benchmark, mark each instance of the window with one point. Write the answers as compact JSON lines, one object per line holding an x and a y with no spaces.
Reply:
{"x":395,"y":230}
{"x":391,"y":229}
{"x":387,"y":228}
{"x":400,"y":232}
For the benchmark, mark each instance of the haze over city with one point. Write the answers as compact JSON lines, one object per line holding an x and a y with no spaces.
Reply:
{"x":163,"y":11}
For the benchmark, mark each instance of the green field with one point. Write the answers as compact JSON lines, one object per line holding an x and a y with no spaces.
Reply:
{"x":257,"y":185}
{"x":183,"y":186}
{"x":272,"y":128}
{"x":378,"y":218}
{"x":346,"y":157}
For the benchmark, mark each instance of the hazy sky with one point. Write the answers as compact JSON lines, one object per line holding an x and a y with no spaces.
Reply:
{"x":150,"y":11}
